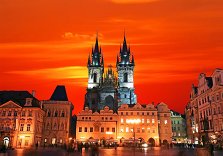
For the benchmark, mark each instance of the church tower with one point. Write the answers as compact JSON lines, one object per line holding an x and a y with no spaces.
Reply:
{"x":125,"y":67}
{"x":95,"y":67}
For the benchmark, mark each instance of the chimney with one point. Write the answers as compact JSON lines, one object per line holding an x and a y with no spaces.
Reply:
{"x":33,"y":93}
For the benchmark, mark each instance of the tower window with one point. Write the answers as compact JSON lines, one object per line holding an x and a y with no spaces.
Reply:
{"x":95,"y":77}
{"x":125,"y":77}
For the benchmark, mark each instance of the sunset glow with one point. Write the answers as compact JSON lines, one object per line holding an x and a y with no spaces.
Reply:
{"x":47,"y":42}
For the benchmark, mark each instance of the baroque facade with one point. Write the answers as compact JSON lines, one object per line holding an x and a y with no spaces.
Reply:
{"x":21,"y":119}
{"x":26,"y":121}
{"x":140,"y":123}
{"x":104,"y":88}
{"x":204,"y":112}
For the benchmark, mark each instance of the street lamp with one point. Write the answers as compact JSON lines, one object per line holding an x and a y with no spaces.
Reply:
{"x":134,"y":122}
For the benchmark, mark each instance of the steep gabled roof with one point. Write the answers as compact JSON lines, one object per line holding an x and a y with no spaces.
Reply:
{"x":19,"y":97}
{"x":59,"y":94}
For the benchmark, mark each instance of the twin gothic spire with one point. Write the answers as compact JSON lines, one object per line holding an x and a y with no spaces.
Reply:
{"x":123,"y":59}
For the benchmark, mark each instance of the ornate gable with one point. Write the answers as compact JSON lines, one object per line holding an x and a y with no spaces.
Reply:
{"x":10,"y":104}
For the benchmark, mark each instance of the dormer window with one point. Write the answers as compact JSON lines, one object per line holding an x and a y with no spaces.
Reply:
{"x":28,"y":102}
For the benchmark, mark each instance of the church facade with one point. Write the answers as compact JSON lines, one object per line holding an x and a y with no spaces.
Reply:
{"x":110,"y":88}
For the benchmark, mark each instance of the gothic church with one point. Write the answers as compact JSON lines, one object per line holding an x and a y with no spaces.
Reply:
{"x":105,"y":88}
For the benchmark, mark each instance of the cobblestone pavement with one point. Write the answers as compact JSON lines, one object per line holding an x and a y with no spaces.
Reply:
{"x":105,"y":152}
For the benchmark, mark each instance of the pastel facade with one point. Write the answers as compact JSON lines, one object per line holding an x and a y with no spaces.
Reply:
{"x":132,"y":123}
{"x":178,"y":127}
{"x":96,"y":126}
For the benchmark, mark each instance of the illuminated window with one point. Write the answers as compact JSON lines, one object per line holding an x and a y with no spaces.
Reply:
{"x":28,"y":127}
{"x":147,"y":121}
{"x":121,"y":130}
{"x":131,"y":130}
{"x":26,"y":142}
{"x":165,"y":122}
{"x":142,"y":120}
{"x":127,"y":129}
{"x":143,"y":130}
{"x":153,"y":121}
{"x":148,"y":130}
{"x":21,"y":127}
{"x":122,"y":120}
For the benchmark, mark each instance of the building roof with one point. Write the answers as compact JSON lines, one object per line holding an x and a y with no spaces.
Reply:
{"x":19,"y":97}
{"x":59,"y":94}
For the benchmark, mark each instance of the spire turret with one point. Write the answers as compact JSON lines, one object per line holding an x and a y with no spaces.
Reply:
{"x":96,"y":59}
{"x":125,"y":54}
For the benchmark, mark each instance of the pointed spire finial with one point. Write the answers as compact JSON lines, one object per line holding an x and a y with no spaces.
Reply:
{"x":96,"y":49}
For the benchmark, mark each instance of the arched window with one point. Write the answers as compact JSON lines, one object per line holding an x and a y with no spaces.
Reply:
{"x":125,"y":77}
{"x":95,"y":77}
{"x":56,"y":113}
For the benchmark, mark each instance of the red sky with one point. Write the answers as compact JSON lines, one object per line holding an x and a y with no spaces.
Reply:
{"x":46,"y":42}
